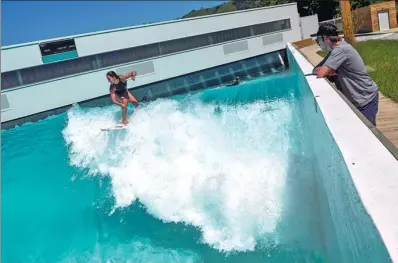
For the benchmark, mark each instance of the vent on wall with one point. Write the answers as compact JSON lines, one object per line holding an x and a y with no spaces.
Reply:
{"x":272,"y":39}
{"x":235,"y":47}
{"x":5,"y":105}
{"x":141,"y":68}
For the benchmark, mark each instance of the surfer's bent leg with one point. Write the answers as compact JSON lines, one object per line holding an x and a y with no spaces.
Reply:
{"x":132,"y":99}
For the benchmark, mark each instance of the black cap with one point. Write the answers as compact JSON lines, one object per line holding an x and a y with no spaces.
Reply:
{"x":327,"y":29}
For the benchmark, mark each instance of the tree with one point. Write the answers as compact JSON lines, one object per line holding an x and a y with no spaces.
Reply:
{"x":361,"y":3}
{"x":325,"y":9}
{"x":248,"y":4}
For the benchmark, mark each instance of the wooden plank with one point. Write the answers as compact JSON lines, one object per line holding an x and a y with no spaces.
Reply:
{"x":362,"y":19}
{"x":303,"y":43}
{"x":387,"y":119}
{"x":346,"y":16}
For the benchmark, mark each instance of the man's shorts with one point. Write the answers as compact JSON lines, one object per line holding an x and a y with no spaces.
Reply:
{"x":370,"y":110}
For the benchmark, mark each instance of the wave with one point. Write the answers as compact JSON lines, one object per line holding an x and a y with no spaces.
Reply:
{"x":220,"y":168}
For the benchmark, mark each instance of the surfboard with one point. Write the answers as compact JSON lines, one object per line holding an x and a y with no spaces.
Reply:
{"x":116,"y":127}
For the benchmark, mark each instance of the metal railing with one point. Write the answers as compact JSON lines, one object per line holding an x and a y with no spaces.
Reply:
{"x":336,"y":21}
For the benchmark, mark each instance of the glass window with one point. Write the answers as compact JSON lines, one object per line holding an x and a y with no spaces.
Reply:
{"x":9,"y":80}
{"x":56,"y":70}
{"x":117,"y":57}
{"x":128,"y":55}
{"x":222,"y":36}
{"x":183,"y":44}
{"x":259,"y":29}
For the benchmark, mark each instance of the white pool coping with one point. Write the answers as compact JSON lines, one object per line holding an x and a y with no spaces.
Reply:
{"x":373,"y":168}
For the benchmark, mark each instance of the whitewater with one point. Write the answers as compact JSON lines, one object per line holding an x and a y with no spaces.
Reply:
{"x":218,"y":167}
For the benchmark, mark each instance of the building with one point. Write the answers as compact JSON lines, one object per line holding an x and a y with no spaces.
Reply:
{"x":376,"y":17}
{"x":45,"y":77}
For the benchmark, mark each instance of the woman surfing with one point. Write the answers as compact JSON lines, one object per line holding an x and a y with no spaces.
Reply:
{"x":119,"y":92}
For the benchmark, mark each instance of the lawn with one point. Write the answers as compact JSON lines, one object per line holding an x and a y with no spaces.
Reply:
{"x":381,"y":55}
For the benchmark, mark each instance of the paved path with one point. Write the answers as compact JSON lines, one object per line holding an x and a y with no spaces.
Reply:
{"x":387,"y":118}
{"x":379,"y":36}
{"x":393,"y":36}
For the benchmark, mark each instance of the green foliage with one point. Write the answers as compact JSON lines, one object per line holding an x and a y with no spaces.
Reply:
{"x":361,"y":3}
{"x":326,"y":9}
{"x":247,"y":4}
{"x":322,"y":53}
{"x":223,"y":8}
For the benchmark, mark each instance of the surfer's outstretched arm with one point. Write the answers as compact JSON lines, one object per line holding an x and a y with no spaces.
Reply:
{"x":126,"y":76}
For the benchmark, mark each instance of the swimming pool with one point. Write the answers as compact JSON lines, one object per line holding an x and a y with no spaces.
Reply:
{"x":246,"y":173}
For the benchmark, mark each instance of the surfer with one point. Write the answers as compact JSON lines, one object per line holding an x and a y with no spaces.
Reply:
{"x":119,"y":92}
{"x":235,"y":83}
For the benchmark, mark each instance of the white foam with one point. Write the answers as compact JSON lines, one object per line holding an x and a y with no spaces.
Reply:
{"x":137,"y":251}
{"x":223,"y":173}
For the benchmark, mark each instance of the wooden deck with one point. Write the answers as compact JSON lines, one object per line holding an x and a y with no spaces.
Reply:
{"x":387,"y":117}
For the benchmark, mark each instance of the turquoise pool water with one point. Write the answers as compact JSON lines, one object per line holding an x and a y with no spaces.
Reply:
{"x":220,"y":175}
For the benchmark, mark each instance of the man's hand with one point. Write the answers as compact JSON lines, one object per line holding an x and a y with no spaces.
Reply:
{"x":324,"y":72}
{"x":332,"y":73}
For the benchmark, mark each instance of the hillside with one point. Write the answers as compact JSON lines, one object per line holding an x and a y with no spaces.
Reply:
{"x":223,"y":8}
{"x":326,"y":9}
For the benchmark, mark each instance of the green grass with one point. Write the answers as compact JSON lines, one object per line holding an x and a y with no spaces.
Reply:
{"x":322,"y":53}
{"x":381,"y":55}
{"x":223,"y":8}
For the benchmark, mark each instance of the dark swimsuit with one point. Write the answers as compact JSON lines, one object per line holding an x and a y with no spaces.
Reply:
{"x":120,"y":89}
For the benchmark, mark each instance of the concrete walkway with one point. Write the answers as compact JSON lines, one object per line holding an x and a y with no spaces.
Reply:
{"x":387,"y":36}
{"x":387,"y":118}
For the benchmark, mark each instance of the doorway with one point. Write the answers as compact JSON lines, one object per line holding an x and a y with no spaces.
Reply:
{"x":384,"y":21}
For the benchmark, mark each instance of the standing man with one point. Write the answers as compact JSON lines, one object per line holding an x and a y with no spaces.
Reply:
{"x":345,"y":64}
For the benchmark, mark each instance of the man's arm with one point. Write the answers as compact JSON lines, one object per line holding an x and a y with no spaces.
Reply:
{"x":335,"y":59}
{"x":324,"y":71}
{"x":316,"y":68}
{"x":128,"y":75}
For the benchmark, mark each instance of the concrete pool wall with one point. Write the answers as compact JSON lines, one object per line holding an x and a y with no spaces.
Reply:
{"x":355,"y":174}
{"x":361,"y":197}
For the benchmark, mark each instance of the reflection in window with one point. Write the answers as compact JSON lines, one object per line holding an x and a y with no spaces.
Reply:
{"x":9,"y":80}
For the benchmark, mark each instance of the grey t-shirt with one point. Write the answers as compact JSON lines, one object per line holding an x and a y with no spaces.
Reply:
{"x":352,"y":76}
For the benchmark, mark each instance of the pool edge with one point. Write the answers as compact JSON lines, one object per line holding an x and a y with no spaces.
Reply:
{"x":349,"y":131}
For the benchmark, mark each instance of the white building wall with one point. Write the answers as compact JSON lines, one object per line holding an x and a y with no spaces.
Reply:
{"x":196,"y":26}
{"x":35,"y":98}
{"x":28,"y":55}
{"x":309,"y":25}
{"x":23,"y":57}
